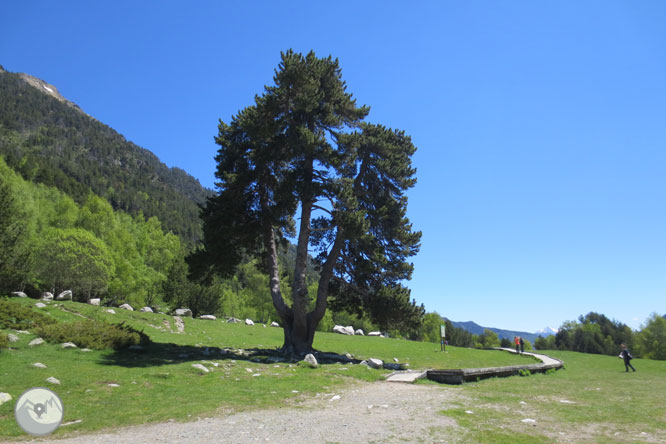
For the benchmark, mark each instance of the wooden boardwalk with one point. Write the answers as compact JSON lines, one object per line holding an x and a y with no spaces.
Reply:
{"x":460,"y":375}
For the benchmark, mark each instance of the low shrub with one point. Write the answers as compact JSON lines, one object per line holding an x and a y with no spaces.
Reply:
{"x":4,"y":340}
{"x":97,"y":335}
{"x":20,"y":317}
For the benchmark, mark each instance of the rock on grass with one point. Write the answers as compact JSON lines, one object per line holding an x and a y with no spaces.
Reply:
{"x":202,"y":368}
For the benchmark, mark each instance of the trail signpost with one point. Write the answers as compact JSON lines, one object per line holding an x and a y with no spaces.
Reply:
{"x":442,"y":333}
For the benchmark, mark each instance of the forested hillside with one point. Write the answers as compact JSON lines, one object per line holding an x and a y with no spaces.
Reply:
{"x":83,"y":209}
{"x":50,"y":141}
{"x":51,"y":243}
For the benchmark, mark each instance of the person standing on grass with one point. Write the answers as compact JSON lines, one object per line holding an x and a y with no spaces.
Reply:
{"x":624,"y":354}
{"x":516,"y":339}
{"x":522,"y":345}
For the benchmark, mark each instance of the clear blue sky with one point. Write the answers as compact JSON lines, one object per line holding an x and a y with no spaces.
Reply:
{"x":540,"y":126}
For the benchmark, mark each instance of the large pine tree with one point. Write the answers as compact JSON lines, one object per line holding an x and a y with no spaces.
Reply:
{"x":303,"y":148}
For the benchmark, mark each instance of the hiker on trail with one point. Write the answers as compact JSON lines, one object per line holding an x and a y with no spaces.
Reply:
{"x":516,"y":339}
{"x":624,"y":354}
{"x":522,"y":345}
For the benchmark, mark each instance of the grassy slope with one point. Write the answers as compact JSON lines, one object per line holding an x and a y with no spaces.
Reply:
{"x":160,"y":383}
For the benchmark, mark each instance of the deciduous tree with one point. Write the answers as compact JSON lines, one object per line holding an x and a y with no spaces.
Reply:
{"x":652,"y":338}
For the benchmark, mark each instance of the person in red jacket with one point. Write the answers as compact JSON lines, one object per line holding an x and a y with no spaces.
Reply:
{"x":516,"y":339}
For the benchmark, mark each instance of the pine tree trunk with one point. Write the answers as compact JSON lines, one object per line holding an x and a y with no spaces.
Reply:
{"x":298,"y":339}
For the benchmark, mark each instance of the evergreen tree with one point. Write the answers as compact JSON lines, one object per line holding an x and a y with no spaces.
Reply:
{"x":302,"y":147}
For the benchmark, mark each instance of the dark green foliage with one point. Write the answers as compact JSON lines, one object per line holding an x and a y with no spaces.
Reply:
{"x":180,"y":292}
{"x":458,"y":336}
{"x":200,"y":297}
{"x":93,"y":334}
{"x":4,"y":340}
{"x":594,"y":333}
{"x":547,"y":343}
{"x":19,"y":317}
{"x":302,"y":147}
{"x":506,"y":343}
{"x":55,"y":143}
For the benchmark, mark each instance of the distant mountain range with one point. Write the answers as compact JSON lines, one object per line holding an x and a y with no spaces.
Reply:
{"x":477,"y":329}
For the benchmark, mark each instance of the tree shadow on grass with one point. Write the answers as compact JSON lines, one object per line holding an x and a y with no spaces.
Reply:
{"x":158,"y":354}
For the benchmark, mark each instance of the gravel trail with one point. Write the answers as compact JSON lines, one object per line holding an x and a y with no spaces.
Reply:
{"x":377,"y":412}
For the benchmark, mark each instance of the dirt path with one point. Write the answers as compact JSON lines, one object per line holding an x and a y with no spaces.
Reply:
{"x":378,"y":412}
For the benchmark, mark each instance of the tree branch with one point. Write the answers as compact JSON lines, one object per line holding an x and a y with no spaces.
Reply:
{"x":325,"y":210}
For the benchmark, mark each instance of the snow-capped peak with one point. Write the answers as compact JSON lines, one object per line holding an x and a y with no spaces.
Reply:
{"x":547,"y":331}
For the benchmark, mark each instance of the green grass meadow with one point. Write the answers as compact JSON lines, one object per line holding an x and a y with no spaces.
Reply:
{"x":159,"y":383}
{"x":591,"y":400}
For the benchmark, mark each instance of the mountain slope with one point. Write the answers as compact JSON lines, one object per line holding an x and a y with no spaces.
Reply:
{"x":50,"y":140}
{"x":477,"y":329}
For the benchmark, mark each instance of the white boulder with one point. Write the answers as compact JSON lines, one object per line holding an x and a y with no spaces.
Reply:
{"x":146,"y":310}
{"x":40,"y":305}
{"x":183,"y":312}
{"x":19,"y":294}
{"x":68,"y":345}
{"x":48,"y":296}
{"x":349,"y":330}
{"x":249,"y":322}
{"x":95,"y":301}
{"x":39,"y":365}
{"x":311,"y":360}
{"x":274,"y":324}
{"x":12,"y":338}
{"x":65,"y":296}
{"x":201,"y":368}
{"x":5,"y":397}
{"x":53,"y":380}
{"x":111,"y":310}
{"x":375,"y":333}
{"x":208,"y":317}
{"x":375,"y":363}
{"x":37,"y":341}
{"x":126,"y":307}
{"x":359,"y":332}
